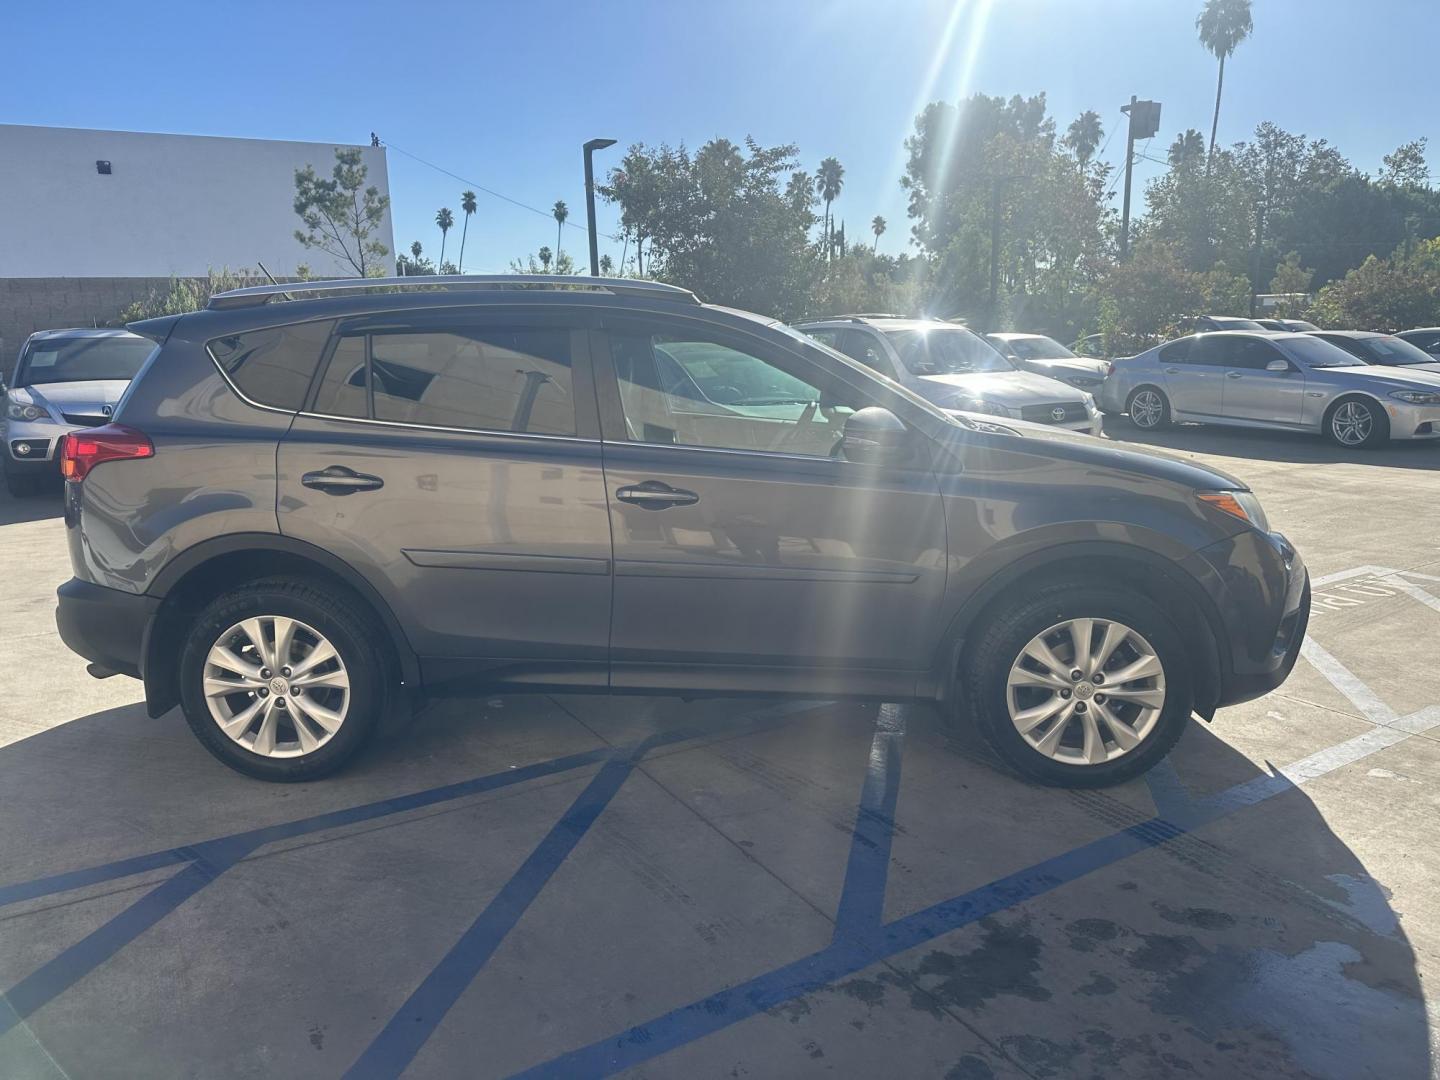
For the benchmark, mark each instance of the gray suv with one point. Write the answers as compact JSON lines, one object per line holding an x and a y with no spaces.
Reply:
{"x":311,"y":511}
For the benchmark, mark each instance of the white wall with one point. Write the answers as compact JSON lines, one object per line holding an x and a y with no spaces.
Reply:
{"x":173,"y":204}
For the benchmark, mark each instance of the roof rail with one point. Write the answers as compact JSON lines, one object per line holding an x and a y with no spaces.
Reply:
{"x":256,"y":295}
{"x":869,"y":315}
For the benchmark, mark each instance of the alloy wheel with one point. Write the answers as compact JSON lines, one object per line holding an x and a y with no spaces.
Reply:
{"x":1086,"y":691}
{"x":1352,"y":423}
{"x":276,"y":686}
{"x":1146,"y":409}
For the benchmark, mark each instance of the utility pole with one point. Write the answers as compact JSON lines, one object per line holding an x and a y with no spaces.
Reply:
{"x":590,"y":148}
{"x":1144,"y":123}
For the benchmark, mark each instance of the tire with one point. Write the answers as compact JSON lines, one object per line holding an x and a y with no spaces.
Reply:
{"x":1147,"y":418}
{"x":317,"y":615}
{"x":1357,"y":423}
{"x":1149,"y":712}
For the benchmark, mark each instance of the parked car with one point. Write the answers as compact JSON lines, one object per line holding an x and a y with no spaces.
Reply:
{"x":309,"y":508}
{"x":1199,"y":324}
{"x":955,"y":368}
{"x":1046,"y":356}
{"x":64,"y":379}
{"x":1384,"y":350}
{"x":1284,"y":381}
{"x":1289,"y":326}
{"x":1426,"y":339}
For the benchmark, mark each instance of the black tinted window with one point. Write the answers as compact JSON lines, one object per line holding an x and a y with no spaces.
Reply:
{"x":1250,"y":354}
{"x":480,"y":378}
{"x":273,"y":366}
{"x":1177,"y":352}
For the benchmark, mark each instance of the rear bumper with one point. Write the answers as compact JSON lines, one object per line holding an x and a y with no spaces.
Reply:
{"x":103,"y":625}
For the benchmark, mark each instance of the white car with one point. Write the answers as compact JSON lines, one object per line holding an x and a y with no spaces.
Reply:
{"x":955,"y":368}
{"x":1046,"y":356}
{"x":64,"y":380}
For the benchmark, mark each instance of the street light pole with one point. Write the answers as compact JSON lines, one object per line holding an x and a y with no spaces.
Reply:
{"x":1144,"y":123}
{"x":590,"y":148}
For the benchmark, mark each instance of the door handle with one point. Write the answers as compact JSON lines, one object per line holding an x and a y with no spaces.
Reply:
{"x":653,"y":495}
{"x":1172,"y":371}
{"x":338,"y":480}
{"x":1233,"y":375}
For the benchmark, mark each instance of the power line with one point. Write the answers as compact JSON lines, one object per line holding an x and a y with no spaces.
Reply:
{"x":489,"y":191}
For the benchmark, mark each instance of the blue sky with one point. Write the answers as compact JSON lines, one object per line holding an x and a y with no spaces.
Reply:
{"x":504,"y":92}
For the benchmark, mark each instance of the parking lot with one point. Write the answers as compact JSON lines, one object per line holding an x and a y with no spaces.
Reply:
{"x":585,"y":885}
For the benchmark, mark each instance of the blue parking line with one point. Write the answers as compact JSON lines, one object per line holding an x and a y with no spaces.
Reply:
{"x":411,"y":1026}
{"x":65,"y":970}
{"x":862,"y":897}
{"x":847,"y":956}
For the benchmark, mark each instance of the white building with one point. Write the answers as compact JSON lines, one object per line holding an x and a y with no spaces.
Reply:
{"x":92,"y":220}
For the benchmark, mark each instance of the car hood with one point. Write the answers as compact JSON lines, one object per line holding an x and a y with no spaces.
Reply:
{"x":1390,"y":378}
{"x":1009,"y":388}
{"x":1092,"y":369}
{"x":1088,"y":450}
{"x":69,"y":396}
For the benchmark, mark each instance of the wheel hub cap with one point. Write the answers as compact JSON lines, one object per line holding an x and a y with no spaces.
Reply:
{"x":271,"y":715}
{"x":1057,"y":706}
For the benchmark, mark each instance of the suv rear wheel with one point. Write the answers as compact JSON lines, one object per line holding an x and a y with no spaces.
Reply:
{"x":1078,"y":685}
{"x":280,"y":681}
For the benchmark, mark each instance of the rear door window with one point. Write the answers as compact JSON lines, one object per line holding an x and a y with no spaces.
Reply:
{"x":1251,"y":354}
{"x":273,"y":366}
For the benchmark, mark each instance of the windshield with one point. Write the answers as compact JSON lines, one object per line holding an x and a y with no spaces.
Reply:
{"x":59,"y":360}
{"x":1221,"y":323}
{"x":1392,"y":351}
{"x":1313,"y":352}
{"x":946,"y":350}
{"x":1040,"y":348}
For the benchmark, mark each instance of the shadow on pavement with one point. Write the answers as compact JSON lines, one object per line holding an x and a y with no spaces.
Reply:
{"x":49,"y":503}
{"x":1282,"y":446}
{"x":1255,"y":945}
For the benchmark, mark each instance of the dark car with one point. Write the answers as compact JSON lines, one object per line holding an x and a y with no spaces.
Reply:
{"x":308,"y":511}
{"x":1382,"y":350}
{"x":1197,"y":324}
{"x":1288,"y":326}
{"x":1427,"y":339}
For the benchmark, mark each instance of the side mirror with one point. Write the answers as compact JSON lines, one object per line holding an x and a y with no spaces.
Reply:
{"x":1278,"y":365}
{"x":875,"y":436}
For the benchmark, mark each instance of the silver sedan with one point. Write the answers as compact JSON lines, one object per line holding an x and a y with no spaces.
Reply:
{"x":1292,"y":382}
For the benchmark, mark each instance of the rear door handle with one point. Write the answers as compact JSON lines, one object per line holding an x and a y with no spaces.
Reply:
{"x":1172,"y":371}
{"x":1233,"y":375}
{"x":654,"y":495}
{"x":339,"y":480}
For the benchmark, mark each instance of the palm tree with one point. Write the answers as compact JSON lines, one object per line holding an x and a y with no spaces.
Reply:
{"x":467,"y":204}
{"x":561,"y":212}
{"x":607,"y":264}
{"x":415,"y":250}
{"x":444,"y":218}
{"x":799,"y":192}
{"x":1222,"y":25}
{"x":1083,"y":135}
{"x":1187,"y":149}
{"x":877,"y":226}
{"x":829,"y":182}
{"x":545,"y":257}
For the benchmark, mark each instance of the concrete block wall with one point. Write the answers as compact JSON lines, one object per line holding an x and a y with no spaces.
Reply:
{"x":30,"y":304}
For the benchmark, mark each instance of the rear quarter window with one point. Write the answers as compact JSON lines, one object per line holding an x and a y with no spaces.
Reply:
{"x":273,"y":366}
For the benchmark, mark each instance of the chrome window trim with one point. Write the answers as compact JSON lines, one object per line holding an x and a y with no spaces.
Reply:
{"x":436,"y":427}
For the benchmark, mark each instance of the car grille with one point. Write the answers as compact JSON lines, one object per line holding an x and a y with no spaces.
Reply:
{"x":85,"y":419}
{"x":1074,"y":412}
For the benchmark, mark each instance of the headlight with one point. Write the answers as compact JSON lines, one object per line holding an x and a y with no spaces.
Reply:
{"x":1083,"y":382}
{"x":20,"y":410}
{"x":1241,"y":504}
{"x":1417,"y":397}
{"x":980,"y":405}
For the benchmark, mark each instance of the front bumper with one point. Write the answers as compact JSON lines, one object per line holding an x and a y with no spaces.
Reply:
{"x":1266,"y":609}
{"x":1413,"y":421}
{"x":106,"y":626}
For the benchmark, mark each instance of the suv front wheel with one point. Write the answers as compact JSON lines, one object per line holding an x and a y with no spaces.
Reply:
{"x":280,"y":681}
{"x":1078,"y":685}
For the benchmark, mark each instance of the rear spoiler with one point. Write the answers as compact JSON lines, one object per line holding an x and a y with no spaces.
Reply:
{"x":157,"y":330}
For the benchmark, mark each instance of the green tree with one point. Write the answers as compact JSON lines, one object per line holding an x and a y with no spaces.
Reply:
{"x":546,"y":263}
{"x":1406,"y":167}
{"x":560,"y":212}
{"x":1290,"y":276}
{"x":187,"y":294}
{"x":445,"y":219}
{"x":1188,"y":149}
{"x":1385,"y":294}
{"x":800,"y":191}
{"x":467,"y":206}
{"x":829,"y":182}
{"x":877,"y":226}
{"x":1083,"y":136}
{"x":1222,"y":25}
{"x":545,"y":256}
{"x":342,"y":214}
{"x":607,"y":265}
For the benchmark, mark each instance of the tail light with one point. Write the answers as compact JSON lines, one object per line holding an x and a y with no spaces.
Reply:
{"x":83,"y":450}
{"x":1109,"y":368}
